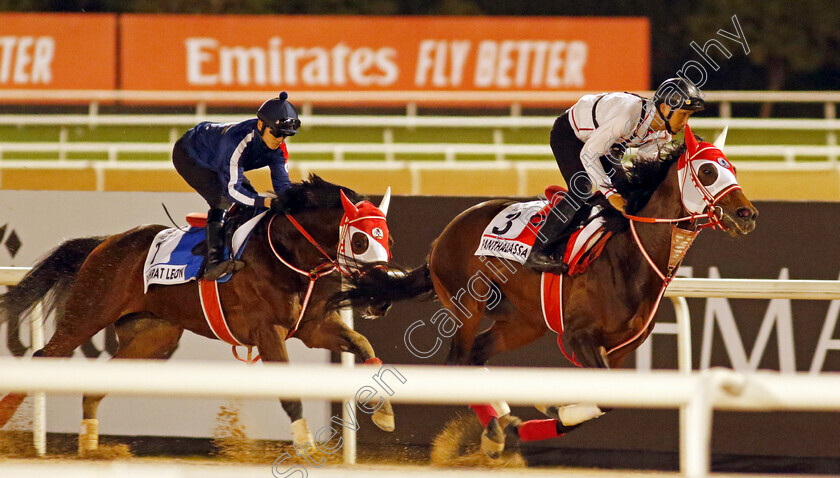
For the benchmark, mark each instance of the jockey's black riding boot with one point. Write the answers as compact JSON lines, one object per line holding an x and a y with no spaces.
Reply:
{"x":238,"y":264}
{"x":216,"y":264}
{"x":542,"y":257}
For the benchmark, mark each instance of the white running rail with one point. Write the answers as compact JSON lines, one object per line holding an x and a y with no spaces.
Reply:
{"x":695,"y":394}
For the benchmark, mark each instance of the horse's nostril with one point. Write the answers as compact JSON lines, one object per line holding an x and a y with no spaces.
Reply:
{"x":745,"y":212}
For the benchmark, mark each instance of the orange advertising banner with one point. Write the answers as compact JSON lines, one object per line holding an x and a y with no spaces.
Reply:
{"x":320,"y":53}
{"x":58,"y":51}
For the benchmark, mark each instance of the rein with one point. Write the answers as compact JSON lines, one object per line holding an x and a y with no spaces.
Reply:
{"x":681,"y":241}
{"x":316,"y":273}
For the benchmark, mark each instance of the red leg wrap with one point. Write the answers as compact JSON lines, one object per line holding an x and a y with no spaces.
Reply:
{"x":9,"y":405}
{"x":485,"y":413}
{"x":534,"y":430}
{"x":373,"y":361}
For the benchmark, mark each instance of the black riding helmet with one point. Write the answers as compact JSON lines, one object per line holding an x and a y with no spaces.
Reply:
{"x":279,"y":116}
{"x":678,"y":94}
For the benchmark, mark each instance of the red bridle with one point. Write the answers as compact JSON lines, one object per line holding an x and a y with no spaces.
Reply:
{"x":320,"y":270}
{"x":713,"y":220}
{"x":314,"y":274}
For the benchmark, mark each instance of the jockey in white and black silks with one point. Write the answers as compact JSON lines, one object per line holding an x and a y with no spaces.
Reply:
{"x":212,"y":158}
{"x":600,"y":128}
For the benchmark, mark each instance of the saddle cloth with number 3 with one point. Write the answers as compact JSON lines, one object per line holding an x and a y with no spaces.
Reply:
{"x":511,"y":234}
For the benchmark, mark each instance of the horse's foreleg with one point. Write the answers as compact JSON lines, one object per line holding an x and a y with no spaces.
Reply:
{"x":139,"y":338}
{"x":590,"y":352}
{"x":271,"y":343}
{"x":334,"y":335}
{"x":588,"y":348}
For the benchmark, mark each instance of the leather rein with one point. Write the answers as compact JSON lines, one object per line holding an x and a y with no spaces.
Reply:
{"x":713,"y":216}
{"x":321,"y":270}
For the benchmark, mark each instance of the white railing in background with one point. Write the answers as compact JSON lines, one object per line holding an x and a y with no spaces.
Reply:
{"x":513,"y":99}
{"x":337,"y":151}
{"x":391,"y":121}
{"x":519,"y":170}
{"x":177,"y":123}
{"x":695,"y":394}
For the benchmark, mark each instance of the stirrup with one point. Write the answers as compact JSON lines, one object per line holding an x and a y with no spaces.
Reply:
{"x":540,"y":262}
{"x":216,"y":271}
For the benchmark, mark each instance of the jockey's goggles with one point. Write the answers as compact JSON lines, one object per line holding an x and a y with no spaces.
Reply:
{"x":287,"y":127}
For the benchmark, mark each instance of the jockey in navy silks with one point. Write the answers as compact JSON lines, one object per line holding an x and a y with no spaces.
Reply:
{"x":212,"y":158}
{"x":601,"y":128}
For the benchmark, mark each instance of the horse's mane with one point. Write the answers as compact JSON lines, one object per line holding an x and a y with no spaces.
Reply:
{"x":314,"y":193}
{"x":641,"y":178}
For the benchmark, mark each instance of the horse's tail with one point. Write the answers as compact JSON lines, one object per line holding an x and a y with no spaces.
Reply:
{"x":377,"y":285}
{"x":48,"y":281}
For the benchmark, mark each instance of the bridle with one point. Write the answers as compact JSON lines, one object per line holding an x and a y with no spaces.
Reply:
{"x":711,"y":212}
{"x":346,"y":267}
{"x":320,"y":270}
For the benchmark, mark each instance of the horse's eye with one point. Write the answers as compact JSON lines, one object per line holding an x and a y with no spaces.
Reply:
{"x":359,"y":243}
{"x":707,"y":170}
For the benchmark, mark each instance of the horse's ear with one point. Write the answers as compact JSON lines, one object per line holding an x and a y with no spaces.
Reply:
{"x":720,"y":142}
{"x":386,"y":201}
{"x":690,"y":141}
{"x":349,"y":207}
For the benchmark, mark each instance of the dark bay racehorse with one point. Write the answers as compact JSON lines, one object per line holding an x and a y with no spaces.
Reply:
{"x":316,"y":227}
{"x":608,"y":310}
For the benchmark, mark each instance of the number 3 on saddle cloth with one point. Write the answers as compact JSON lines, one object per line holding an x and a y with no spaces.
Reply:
{"x":511,"y":235}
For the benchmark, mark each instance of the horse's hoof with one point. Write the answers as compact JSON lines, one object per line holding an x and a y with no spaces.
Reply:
{"x":301,"y":436}
{"x":577,"y":413}
{"x":493,"y":439}
{"x":88,"y":436}
{"x":510,"y":424}
{"x":550,"y":411}
{"x":384,"y":417}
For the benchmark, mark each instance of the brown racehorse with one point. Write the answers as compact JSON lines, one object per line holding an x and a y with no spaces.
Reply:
{"x":94,"y":282}
{"x":607,"y":310}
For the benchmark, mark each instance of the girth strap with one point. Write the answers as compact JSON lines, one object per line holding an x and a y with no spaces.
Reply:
{"x":211,"y":305}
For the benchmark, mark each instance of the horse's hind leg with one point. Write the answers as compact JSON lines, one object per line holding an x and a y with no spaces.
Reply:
{"x":507,"y":333}
{"x":332,"y":334}
{"x":82,"y":318}
{"x":139,"y":338}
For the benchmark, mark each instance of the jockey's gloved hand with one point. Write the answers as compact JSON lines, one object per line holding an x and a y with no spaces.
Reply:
{"x":617,"y":202}
{"x":617,"y":151}
{"x":275,"y":203}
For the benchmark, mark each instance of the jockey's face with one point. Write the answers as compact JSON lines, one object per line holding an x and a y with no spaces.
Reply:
{"x":269,"y":139}
{"x":678,"y":120}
